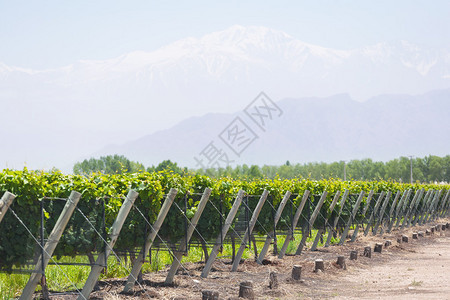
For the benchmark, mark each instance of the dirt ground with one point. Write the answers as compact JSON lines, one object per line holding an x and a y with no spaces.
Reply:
{"x":413,"y":270}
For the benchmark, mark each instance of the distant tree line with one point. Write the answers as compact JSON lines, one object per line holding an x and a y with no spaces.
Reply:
{"x":118,"y":164}
{"x":427,"y":169}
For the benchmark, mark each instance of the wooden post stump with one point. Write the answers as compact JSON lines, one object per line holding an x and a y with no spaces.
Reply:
{"x":210,"y":295}
{"x":273,"y":280}
{"x":246,"y":290}
{"x":368,"y":251}
{"x":420,"y":234}
{"x":341,"y":262}
{"x":428,"y":232}
{"x":405,"y":238}
{"x":296,"y":272}
{"x":415,"y":235}
{"x":378,"y":247}
{"x":443,"y":226}
{"x":447,"y":225}
{"x":353,"y":255}
{"x":432,"y":230}
{"x":387,"y":243}
{"x":319,"y":265}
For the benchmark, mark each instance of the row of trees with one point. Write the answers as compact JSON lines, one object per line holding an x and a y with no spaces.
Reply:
{"x":427,"y":169}
{"x":119,"y":164}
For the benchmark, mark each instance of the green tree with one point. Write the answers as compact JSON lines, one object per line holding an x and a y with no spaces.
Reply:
{"x":111,"y":164}
{"x":168,"y":165}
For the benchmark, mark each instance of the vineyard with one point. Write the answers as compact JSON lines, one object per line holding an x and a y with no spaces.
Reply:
{"x":48,"y":218}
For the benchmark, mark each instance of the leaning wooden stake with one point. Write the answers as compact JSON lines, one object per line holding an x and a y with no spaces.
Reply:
{"x":179,"y":254}
{"x":381,"y":214}
{"x":331,"y":230}
{"x":425,"y":204}
{"x":269,"y":237}
{"x":399,"y":210}
{"x":350,"y":219}
{"x":444,"y":203}
{"x":366,"y":207}
{"x":50,"y":245}
{"x":297,"y":215}
{"x":322,"y":230}
{"x":391,"y":213}
{"x":249,"y":230}
{"x":374,"y":212}
{"x":149,"y":241}
{"x":311,"y":223}
{"x":432,"y":206}
{"x":435,"y":213}
{"x":219,"y":240}
{"x":417,"y":196}
{"x":415,"y":212}
{"x":5,"y":202}
{"x":103,"y":257}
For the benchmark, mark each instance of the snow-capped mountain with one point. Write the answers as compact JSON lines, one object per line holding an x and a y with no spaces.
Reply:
{"x":93,"y":103}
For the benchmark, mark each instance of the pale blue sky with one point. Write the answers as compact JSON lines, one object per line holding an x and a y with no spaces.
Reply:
{"x":45,"y":34}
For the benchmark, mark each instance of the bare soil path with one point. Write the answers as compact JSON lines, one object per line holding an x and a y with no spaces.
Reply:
{"x":418,"y":269}
{"x":422,"y":273}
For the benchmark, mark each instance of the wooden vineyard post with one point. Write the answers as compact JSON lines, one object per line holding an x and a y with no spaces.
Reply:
{"x":336,"y":220}
{"x":395,"y":210}
{"x":321,"y":230}
{"x":297,"y":215}
{"x":431,"y":196}
{"x":311,"y":223}
{"x":391,"y":213}
{"x":249,"y":230}
{"x":50,"y":245}
{"x":350,"y":219}
{"x":425,"y":203}
{"x":444,"y":203}
{"x":269,"y":237}
{"x":366,"y":207}
{"x":5,"y":202}
{"x":137,"y":266}
{"x":102,"y":258}
{"x":437,"y":195}
{"x":401,"y":207}
{"x":381,"y":214}
{"x":178,"y":255}
{"x":435,"y":213}
{"x":414,"y":212}
{"x":219,"y":240}
{"x":411,"y":207}
{"x":374,"y":212}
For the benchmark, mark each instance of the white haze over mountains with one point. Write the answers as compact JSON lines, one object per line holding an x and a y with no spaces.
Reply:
{"x":58,"y":116}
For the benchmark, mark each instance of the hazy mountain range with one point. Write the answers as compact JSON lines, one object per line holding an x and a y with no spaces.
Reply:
{"x":313,"y":129}
{"x":54,"y":117}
